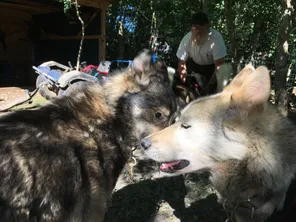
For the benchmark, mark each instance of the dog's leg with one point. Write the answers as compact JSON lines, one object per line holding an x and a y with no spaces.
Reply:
{"x":97,"y":207}
{"x":49,"y":211}
{"x":90,"y":209}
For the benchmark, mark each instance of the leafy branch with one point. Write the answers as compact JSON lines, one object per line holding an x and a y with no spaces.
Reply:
{"x":67,"y":5}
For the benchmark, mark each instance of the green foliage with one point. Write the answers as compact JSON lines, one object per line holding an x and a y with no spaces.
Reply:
{"x":136,"y":17}
{"x":67,"y":5}
{"x":256,"y":25}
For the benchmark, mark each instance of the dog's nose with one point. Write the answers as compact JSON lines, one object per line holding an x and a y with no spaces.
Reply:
{"x":145,"y":143}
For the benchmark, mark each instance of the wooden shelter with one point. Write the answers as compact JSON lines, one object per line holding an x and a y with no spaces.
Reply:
{"x":34,"y":31}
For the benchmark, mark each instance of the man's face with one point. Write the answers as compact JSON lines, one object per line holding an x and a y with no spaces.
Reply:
{"x":199,"y":30}
{"x":199,"y":33}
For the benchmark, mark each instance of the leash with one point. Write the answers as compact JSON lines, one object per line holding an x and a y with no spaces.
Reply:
{"x":251,"y":205}
{"x":132,"y":162}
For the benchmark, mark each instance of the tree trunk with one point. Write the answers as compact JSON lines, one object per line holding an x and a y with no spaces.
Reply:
{"x":230,"y":23}
{"x":257,"y":30}
{"x":153,"y":30}
{"x":205,"y":5}
{"x":120,"y":41}
{"x":281,"y":64}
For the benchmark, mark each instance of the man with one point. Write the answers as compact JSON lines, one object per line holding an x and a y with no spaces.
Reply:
{"x":202,"y":51}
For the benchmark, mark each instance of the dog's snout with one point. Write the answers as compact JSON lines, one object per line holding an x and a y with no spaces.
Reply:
{"x":145,"y":143}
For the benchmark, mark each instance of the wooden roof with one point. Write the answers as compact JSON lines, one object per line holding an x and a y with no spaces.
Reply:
{"x":47,"y":6}
{"x":31,"y":6}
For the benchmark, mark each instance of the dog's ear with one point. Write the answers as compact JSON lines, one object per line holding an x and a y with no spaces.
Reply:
{"x":254,"y":91}
{"x":238,"y":80}
{"x":141,"y":66}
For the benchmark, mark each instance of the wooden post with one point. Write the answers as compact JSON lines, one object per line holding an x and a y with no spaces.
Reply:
{"x":102,"y":39}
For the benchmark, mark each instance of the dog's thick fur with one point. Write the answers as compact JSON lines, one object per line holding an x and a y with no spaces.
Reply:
{"x":60,"y":162}
{"x":248,"y":147}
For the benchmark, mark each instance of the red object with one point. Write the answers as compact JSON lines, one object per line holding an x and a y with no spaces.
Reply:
{"x":105,"y":73}
{"x":89,"y":67}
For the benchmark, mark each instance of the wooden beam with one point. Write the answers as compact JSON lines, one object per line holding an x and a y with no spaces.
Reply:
{"x":30,"y":8}
{"x":94,"y":3}
{"x":58,"y":37}
{"x":102,"y":40}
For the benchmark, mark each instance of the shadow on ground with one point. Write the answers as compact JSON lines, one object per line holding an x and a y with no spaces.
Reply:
{"x":143,"y":201}
{"x":187,"y":198}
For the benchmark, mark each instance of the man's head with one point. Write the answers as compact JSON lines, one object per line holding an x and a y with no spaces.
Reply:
{"x":199,"y":27}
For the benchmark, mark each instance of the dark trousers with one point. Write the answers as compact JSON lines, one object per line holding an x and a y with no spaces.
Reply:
{"x":207,"y":71}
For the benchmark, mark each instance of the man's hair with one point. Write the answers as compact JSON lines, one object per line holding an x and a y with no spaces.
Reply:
{"x":200,"y":18}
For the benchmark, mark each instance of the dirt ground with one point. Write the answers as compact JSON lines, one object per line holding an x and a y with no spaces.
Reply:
{"x":148,"y":196}
{"x":8,"y":93}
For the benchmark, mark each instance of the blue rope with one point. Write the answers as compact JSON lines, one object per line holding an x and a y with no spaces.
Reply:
{"x":154,"y":58}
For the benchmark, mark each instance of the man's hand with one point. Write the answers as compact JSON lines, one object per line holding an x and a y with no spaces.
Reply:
{"x":183,"y":75}
{"x":182,"y":71}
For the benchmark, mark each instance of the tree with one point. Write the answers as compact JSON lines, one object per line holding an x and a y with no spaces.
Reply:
{"x":230,"y":22}
{"x":282,"y":56}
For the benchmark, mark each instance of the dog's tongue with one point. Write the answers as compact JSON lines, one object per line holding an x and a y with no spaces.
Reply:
{"x":168,"y":165}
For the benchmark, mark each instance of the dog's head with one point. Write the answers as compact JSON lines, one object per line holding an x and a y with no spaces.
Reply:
{"x":148,"y":109}
{"x":212,"y":129}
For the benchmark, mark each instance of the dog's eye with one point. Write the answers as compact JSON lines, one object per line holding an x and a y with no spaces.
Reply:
{"x":185,"y":126}
{"x":158,"y":115}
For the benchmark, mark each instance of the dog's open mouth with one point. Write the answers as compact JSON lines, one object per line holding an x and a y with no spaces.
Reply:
{"x":173,"y":166}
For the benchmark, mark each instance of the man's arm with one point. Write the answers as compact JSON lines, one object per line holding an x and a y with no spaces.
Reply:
{"x":218,"y":63}
{"x":183,"y":55}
